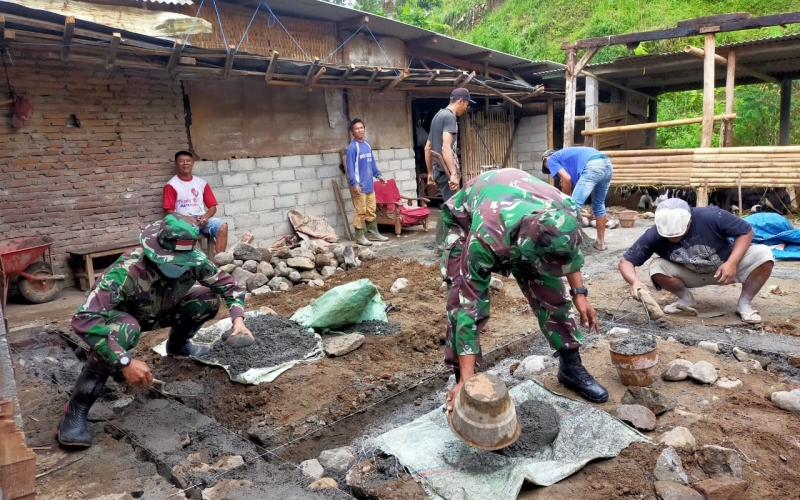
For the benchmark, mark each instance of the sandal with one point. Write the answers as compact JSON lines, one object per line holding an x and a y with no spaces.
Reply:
{"x":598,"y":247}
{"x":751,"y":317}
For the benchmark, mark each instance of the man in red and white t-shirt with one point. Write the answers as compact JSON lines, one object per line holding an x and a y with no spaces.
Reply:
{"x":191,"y":196}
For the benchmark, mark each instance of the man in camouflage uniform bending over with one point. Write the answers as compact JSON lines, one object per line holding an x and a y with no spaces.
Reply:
{"x":147,"y":288}
{"x":508,"y":221}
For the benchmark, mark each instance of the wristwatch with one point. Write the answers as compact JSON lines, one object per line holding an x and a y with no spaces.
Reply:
{"x":581,"y":290}
{"x":124,"y":361}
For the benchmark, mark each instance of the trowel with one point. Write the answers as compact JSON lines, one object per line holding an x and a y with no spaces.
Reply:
{"x":161,"y":384}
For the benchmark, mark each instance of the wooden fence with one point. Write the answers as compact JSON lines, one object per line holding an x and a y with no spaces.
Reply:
{"x":486,"y":141}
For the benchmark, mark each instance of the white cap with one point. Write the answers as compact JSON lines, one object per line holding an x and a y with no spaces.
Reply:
{"x":672,"y":217}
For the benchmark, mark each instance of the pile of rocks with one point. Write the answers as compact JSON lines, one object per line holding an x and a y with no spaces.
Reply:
{"x":262,"y":270}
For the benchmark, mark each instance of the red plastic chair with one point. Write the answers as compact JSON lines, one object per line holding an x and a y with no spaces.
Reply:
{"x":391,"y":211}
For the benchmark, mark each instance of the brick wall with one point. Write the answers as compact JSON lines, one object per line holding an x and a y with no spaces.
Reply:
{"x":97,"y":183}
{"x":531,"y":143}
{"x":256,"y":194}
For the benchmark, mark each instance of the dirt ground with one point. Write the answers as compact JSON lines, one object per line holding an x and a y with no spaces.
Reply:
{"x":393,"y":379}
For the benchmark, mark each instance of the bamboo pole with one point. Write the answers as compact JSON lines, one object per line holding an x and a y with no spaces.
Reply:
{"x":730,"y":78}
{"x":645,"y":126}
{"x":697,"y":52}
{"x":708,"y":93}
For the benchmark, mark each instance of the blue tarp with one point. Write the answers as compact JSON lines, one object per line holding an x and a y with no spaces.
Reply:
{"x":776,"y":232}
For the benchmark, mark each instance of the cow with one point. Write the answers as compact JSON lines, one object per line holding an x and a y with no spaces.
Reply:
{"x":756,"y":200}
{"x":653,"y":197}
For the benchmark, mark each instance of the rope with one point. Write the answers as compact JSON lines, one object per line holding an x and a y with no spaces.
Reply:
{"x":221,"y":29}
{"x":194,"y":22}
{"x":287,"y":31}
{"x":379,"y":46}
{"x":343,"y":43}
{"x":244,"y":35}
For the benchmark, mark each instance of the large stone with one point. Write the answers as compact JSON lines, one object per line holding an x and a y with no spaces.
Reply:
{"x":266,"y":269}
{"x":339,"y":346}
{"x":282,"y":253}
{"x":711,"y":347}
{"x":530,"y":366}
{"x":496,"y":283}
{"x":241,"y":276}
{"x":324,"y":483}
{"x":638,"y":416}
{"x":227,"y":268}
{"x":666,"y":490}
{"x":328,"y":271}
{"x":238,"y":263}
{"x":223,"y":488}
{"x":679,"y":438}
{"x":280,"y":284}
{"x":309,"y":275}
{"x":266,"y":254}
{"x":677,"y":369}
{"x":302,"y":252}
{"x":312,"y":468}
{"x":256,"y":281}
{"x":781,"y":386}
{"x":400,"y":285}
{"x":295,"y":277}
{"x":337,"y":459}
{"x":300,"y":263}
{"x":315,"y":247}
{"x":250,"y":266}
{"x":722,"y":488}
{"x":223,"y":258}
{"x":719,"y":461}
{"x":669,"y":467}
{"x":729,"y":383}
{"x":367,"y":254}
{"x":243,"y":251}
{"x":747,"y":356}
{"x":789,"y":401}
{"x":703,"y":372}
{"x":262,"y":290}
{"x":323,"y":259}
{"x":650,"y":398}
{"x":282,"y":270}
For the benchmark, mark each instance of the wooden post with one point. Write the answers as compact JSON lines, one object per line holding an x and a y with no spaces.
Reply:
{"x":550,"y":140}
{"x":730,"y":77}
{"x":592,"y":105}
{"x":569,"y":98}
{"x":708,"y":94}
{"x":486,"y":99}
{"x":786,"y":107}
{"x":651,"y":138}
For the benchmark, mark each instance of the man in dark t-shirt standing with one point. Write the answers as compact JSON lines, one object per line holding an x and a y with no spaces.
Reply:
{"x":694,"y":249}
{"x":440,"y":151}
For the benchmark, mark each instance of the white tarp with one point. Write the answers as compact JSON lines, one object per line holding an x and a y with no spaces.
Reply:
{"x":449,"y":469}
{"x":254,"y":376}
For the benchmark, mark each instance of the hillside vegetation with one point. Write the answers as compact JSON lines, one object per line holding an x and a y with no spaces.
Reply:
{"x":535,"y":29}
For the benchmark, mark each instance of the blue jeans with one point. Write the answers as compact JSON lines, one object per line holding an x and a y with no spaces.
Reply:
{"x":212,"y":226}
{"x":595,"y":181}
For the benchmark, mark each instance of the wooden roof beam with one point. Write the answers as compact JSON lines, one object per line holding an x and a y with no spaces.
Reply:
{"x":353,"y":23}
{"x":2,"y":28}
{"x":69,"y":29}
{"x":477,"y":56}
{"x":433,"y":77}
{"x":374,"y":75}
{"x":311,"y":71}
{"x":347,"y":73}
{"x":310,"y":84}
{"x":226,"y":73}
{"x":686,"y":30}
{"x":177,"y":48}
{"x":389,"y":86}
{"x":273,"y":63}
{"x":467,"y":80}
{"x":498,"y":93}
{"x":698,"y":52}
{"x":112,"y":50}
{"x":452,"y":61}
{"x":423,"y":40}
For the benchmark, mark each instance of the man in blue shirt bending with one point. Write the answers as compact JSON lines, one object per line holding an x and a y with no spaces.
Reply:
{"x":583,"y":172}
{"x":361,"y":168}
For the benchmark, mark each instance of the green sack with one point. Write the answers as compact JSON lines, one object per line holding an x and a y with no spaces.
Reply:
{"x":354,"y":302}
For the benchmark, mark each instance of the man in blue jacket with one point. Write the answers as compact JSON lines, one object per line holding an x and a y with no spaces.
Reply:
{"x":361,"y":168}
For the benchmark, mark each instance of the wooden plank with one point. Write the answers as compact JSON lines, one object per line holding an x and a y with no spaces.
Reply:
{"x":730,"y":78}
{"x":697,"y":52}
{"x":715,"y":20}
{"x":785,"y":113}
{"x":454,"y":61}
{"x":550,"y":126}
{"x":311,"y":71}
{"x":498,"y":93}
{"x":69,"y":29}
{"x":175,"y":56}
{"x":340,"y":202}
{"x":316,"y":77}
{"x":433,"y":77}
{"x":347,"y":73}
{"x":374,"y":75}
{"x":587,"y":56}
{"x":273,"y":63}
{"x":617,"y":85}
{"x":684,"y":31}
{"x":468,"y":79}
{"x":229,"y":57}
{"x":390,"y":85}
{"x":2,"y":27}
{"x":569,"y":98}
{"x":112,"y":50}
{"x":708,"y":91}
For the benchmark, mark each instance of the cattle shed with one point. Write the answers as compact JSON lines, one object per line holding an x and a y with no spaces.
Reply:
{"x":617,"y":108}
{"x":260,"y":92}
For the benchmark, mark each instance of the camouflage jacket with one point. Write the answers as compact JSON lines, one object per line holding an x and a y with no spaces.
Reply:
{"x":133,"y":287}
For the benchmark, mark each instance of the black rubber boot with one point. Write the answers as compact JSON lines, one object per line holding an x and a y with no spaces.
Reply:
{"x":572,"y":374}
{"x":73,"y":430}
{"x":179,"y":344}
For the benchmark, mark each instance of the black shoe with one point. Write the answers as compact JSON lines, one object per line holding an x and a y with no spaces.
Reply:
{"x":572,"y":374}
{"x":73,"y":429}
{"x":178,"y":344}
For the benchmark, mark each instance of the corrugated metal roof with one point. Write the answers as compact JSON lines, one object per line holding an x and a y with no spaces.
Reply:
{"x":170,"y":2}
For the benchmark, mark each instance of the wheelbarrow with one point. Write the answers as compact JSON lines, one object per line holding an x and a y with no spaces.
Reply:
{"x":20,"y":257}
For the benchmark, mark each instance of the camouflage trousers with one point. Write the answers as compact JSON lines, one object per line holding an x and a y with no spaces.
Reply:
{"x":188,"y":315}
{"x":468,"y":304}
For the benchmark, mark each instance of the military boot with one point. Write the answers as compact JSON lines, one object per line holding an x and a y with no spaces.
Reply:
{"x":572,"y":374}
{"x":373,"y":234}
{"x":73,"y":429}
{"x":178,"y":343}
{"x":361,"y":239}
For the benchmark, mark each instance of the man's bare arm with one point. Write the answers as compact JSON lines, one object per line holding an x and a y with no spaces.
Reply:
{"x":447,"y":154}
{"x":429,"y":162}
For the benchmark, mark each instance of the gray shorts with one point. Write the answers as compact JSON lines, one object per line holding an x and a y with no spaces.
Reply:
{"x":754,"y":257}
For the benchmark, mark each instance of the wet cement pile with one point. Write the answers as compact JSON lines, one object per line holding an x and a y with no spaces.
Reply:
{"x":639,"y":344}
{"x":371,"y":327}
{"x":540,"y":427}
{"x":277,"y":340}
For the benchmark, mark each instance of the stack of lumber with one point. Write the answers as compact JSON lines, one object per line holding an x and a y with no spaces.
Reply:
{"x":17,"y":462}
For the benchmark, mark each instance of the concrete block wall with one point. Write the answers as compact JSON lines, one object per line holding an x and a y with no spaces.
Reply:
{"x":256,"y":194}
{"x":531,"y":143}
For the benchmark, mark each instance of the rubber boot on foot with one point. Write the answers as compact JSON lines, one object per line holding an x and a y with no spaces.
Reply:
{"x":179,"y":344}
{"x":361,"y":239}
{"x":574,"y":375}
{"x":373,"y":234}
{"x":73,"y":429}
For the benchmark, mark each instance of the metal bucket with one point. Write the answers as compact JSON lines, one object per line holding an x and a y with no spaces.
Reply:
{"x":483,"y":414}
{"x":637,"y":370}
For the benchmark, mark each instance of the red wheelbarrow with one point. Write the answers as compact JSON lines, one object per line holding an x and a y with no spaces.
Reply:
{"x":20,"y":257}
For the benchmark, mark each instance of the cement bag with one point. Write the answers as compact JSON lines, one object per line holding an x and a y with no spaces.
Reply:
{"x":314,"y":227}
{"x":353,"y":302}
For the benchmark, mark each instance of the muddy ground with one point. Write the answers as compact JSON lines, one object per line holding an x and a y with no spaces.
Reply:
{"x":142,"y":436}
